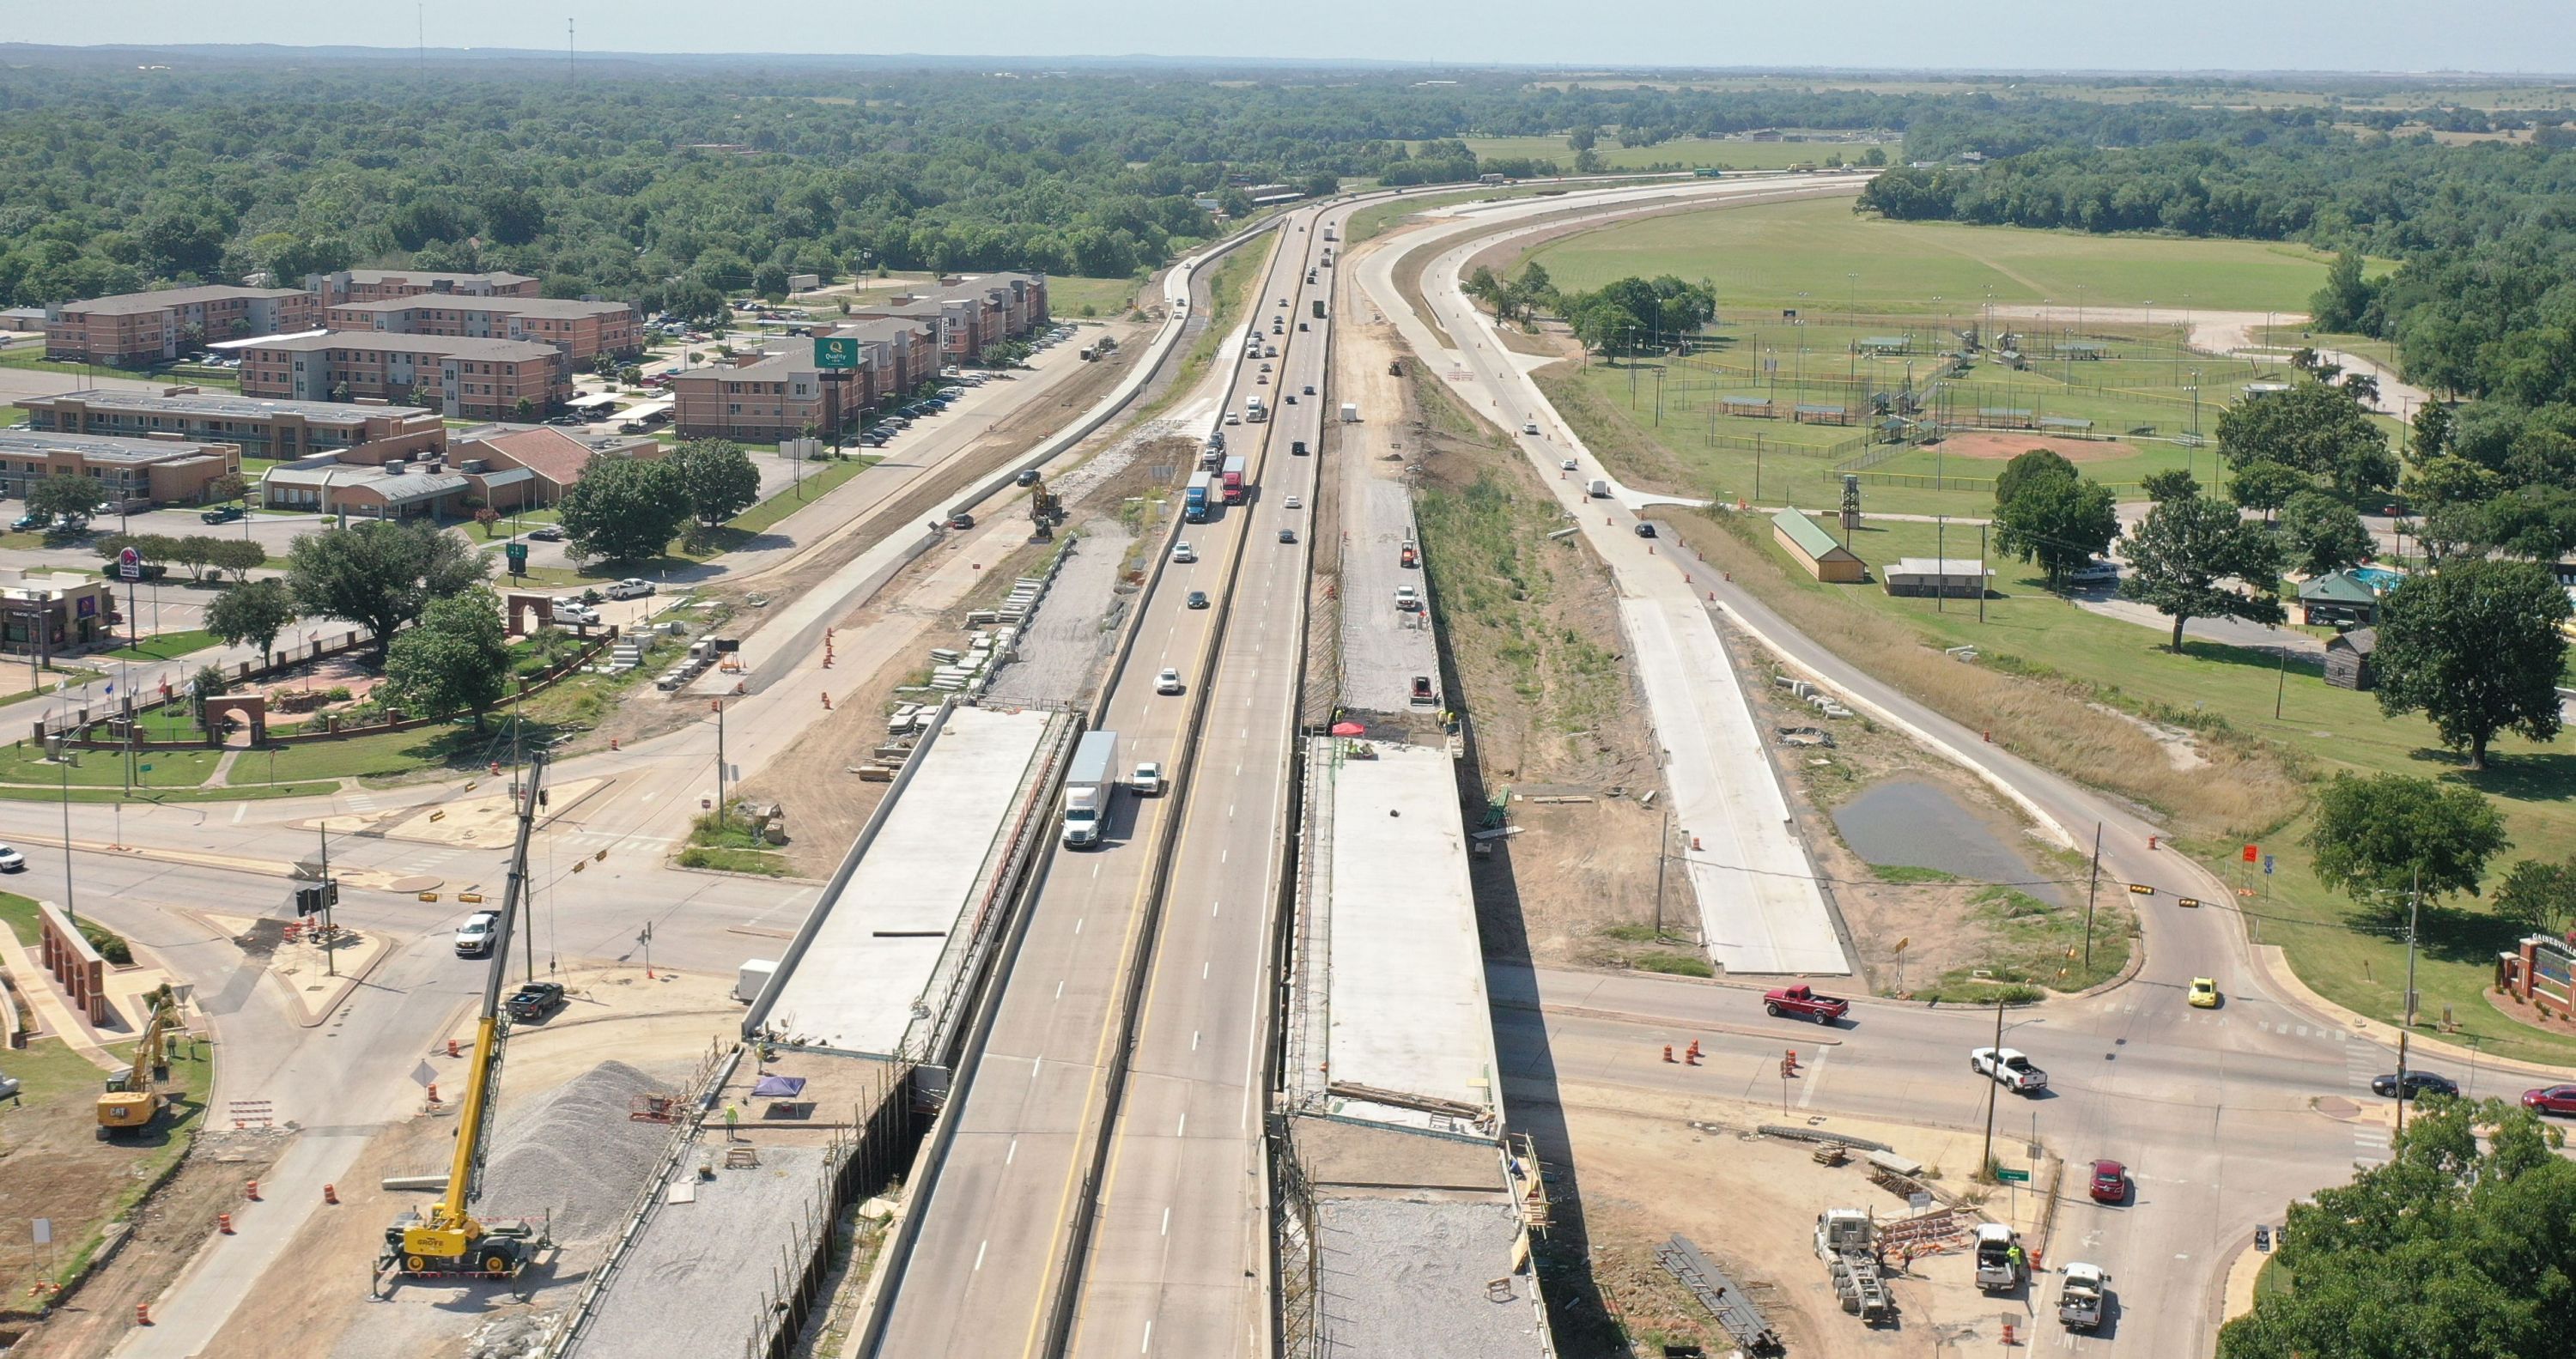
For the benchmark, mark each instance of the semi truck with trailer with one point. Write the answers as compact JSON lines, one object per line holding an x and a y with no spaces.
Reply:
{"x":1194,"y":502}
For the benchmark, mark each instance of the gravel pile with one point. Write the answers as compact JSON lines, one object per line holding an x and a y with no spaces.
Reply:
{"x":576,"y":1154}
{"x":520,"y":1335}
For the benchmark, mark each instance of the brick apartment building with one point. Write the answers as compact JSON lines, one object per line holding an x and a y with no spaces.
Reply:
{"x":767,"y":397}
{"x":367,"y":285}
{"x":141,"y":329}
{"x":167,"y":470}
{"x":459,"y":377}
{"x":581,"y":329}
{"x":971,"y":313}
{"x":763,"y":397}
{"x":285,"y":430}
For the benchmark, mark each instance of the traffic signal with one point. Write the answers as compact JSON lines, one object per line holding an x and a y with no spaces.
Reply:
{"x":331,"y":892}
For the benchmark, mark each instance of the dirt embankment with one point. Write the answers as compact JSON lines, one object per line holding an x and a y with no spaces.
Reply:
{"x":1532,"y":651}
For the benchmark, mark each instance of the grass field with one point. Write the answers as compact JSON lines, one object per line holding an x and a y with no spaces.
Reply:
{"x":2226,"y":695}
{"x":166,"y":646}
{"x":1821,"y":256}
{"x":1688,"y":152}
{"x":1069,"y":297}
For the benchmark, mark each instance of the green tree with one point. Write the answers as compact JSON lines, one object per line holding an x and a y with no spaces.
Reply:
{"x":2024,"y":466}
{"x":2183,"y":555}
{"x":237,"y":555}
{"x":2538,"y":895}
{"x":69,"y":496}
{"x":2171,"y":484}
{"x":2061,"y":521}
{"x":2346,"y":303}
{"x":2430,"y":436}
{"x":229,"y":486}
{"x":2475,"y":648}
{"x":2313,"y":428}
{"x":625,"y":509}
{"x":718,"y":478}
{"x":2267,"y":486}
{"x":379,"y":575}
{"x":252,"y":613}
{"x":2445,"y":479}
{"x":2454,"y":1247}
{"x":2392,"y":833}
{"x":208,"y":682}
{"x":2323,"y":534}
{"x":457,"y":657}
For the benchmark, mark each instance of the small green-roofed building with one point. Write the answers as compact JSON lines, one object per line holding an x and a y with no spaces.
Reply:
{"x":2339,"y":599}
{"x":1816,"y":549}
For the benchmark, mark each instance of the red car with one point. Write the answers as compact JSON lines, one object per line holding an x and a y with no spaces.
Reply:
{"x":2551,"y":1099}
{"x":2110,"y":1182}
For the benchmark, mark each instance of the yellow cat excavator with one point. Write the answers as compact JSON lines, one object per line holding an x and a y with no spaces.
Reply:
{"x":444,"y":1238}
{"x":134,"y":1100}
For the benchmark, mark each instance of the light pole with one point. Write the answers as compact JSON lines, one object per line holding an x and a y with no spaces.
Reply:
{"x":1986,"y":1162}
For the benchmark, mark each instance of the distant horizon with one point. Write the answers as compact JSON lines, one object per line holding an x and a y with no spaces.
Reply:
{"x":1190,"y":61}
{"x":2387,"y":39}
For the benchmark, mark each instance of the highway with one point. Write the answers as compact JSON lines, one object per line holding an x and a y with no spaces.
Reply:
{"x":1178,"y":1251}
{"x":996,"y":1245}
{"x":2210,"y":1109}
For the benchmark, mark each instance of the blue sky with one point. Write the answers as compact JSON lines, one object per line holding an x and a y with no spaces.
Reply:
{"x":2528,"y":36}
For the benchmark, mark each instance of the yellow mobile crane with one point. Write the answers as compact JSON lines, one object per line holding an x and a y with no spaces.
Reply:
{"x":134,"y":1099}
{"x":444,"y":1238}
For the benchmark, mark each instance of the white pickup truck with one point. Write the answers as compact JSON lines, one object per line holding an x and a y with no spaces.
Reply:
{"x":2009,"y":1069}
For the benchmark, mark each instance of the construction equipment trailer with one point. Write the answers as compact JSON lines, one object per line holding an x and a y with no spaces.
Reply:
{"x":445,"y":1238}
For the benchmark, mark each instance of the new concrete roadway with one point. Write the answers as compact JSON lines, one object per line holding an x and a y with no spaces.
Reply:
{"x":2211,"y":1108}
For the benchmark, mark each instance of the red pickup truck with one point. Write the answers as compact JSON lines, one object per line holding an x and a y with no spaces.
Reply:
{"x":1805,"y":1004}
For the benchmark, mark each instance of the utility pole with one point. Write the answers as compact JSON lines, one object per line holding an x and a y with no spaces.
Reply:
{"x":718,"y":705}
{"x":2092,"y":886}
{"x":64,"y":757}
{"x":2280,"y":684}
{"x":330,"y":963}
{"x":1940,"y":565}
{"x":2414,"y":911}
{"x":1986,"y":1164}
{"x":1981,"y":572}
{"x":1663,"y":856}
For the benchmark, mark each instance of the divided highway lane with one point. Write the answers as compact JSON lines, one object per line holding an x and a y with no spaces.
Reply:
{"x":1177,"y":1257}
{"x":977,"y":1279}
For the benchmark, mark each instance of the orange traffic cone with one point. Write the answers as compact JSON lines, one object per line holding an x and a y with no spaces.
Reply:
{"x":330,"y":1193}
{"x":224,"y":1223}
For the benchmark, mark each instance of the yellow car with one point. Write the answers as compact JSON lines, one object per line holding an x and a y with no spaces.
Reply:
{"x":2204,"y":994}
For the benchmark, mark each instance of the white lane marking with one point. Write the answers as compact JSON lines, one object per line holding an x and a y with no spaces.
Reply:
{"x":1214,"y":907}
{"x":238,"y":811}
{"x":1812,"y":1077}
{"x":979,"y":1253}
{"x":1194,"y":1040}
{"x":1221,"y":855}
{"x":1059,"y":990}
{"x":1203,"y":971}
{"x":1184,"y":1129}
{"x":1013,"y":1154}
{"x":1167,"y":1222}
{"x":1077,"y":924}
{"x":1033,"y":1070}
{"x":1149,"y":1339}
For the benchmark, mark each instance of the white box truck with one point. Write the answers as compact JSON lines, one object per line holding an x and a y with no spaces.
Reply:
{"x":1087,"y":786}
{"x":1350,"y":412}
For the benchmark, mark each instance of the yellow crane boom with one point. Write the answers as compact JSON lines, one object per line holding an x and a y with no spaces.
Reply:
{"x":445,"y":1238}
{"x":134,"y":1099}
